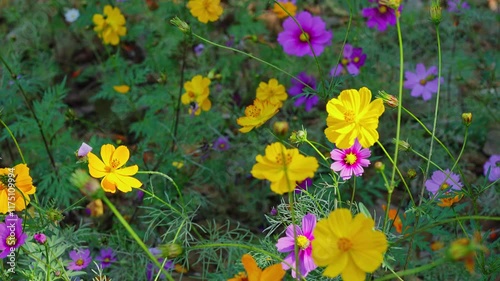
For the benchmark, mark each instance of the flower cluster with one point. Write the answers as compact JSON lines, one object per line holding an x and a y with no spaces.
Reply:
{"x":353,"y":59}
{"x":196,"y":95}
{"x":81,"y":258}
{"x":110,"y":26}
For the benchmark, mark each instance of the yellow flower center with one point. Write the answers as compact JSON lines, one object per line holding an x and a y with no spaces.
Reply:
{"x":304,"y":37}
{"x":11,"y":240}
{"x":423,"y":82}
{"x":345,"y":61}
{"x":106,"y":260}
{"x":252,"y":111}
{"x":284,"y":156}
{"x":112,"y":165}
{"x":349,"y":116}
{"x":344,"y":244}
{"x":444,"y":186}
{"x":79,"y":262}
{"x":356,"y":59}
{"x":191,"y":95}
{"x":303,"y":242}
{"x":382,"y":9}
{"x":350,"y":158}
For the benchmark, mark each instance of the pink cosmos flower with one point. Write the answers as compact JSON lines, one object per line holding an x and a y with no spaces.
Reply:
{"x":11,"y":235}
{"x":80,"y":259}
{"x":423,"y":82}
{"x":303,"y":239}
{"x":40,"y":238}
{"x":294,"y":42}
{"x":350,"y":161}
{"x":106,"y":257}
{"x":84,"y":150}
{"x":445,"y":181}
{"x":380,"y":17}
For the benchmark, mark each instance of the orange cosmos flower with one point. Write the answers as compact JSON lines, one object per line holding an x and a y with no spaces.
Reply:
{"x":254,"y":273}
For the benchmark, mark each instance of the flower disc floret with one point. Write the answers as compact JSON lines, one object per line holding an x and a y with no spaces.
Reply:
{"x":284,"y":167}
{"x":110,"y":26}
{"x":205,"y":10}
{"x":353,"y":115}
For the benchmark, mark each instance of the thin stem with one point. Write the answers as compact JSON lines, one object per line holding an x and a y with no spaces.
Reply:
{"x":14,"y":139}
{"x":169,"y":179}
{"x":353,"y":192}
{"x":413,"y":270}
{"x":135,"y":236}
{"x":316,"y":149}
{"x":178,"y":106}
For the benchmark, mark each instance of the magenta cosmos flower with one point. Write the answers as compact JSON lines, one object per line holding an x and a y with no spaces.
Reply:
{"x":350,"y":161}
{"x":380,"y":16}
{"x":11,"y":235}
{"x":492,"y":166}
{"x":457,"y":6}
{"x":353,"y":59}
{"x":80,"y":259}
{"x":40,"y":238}
{"x":106,"y":257}
{"x":303,"y":241}
{"x":423,"y":83}
{"x":221,"y":144}
{"x":294,"y":42}
{"x":444,"y":181}
{"x":309,"y":100}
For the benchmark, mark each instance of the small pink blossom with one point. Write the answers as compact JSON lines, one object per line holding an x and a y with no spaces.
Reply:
{"x":84,"y":150}
{"x":350,"y":161}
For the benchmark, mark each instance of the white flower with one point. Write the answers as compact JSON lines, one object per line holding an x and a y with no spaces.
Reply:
{"x":71,"y":15}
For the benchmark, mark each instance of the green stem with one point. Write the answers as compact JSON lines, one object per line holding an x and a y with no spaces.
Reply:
{"x":316,"y":149}
{"x":14,"y":139}
{"x":353,"y":192}
{"x":135,"y":236}
{"x":169,"y":179}
{"x":413,"y":270}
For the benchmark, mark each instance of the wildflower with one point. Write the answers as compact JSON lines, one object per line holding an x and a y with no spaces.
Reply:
{"x":180,"y":24}
{"x":352,"y":116}
{"x":457,"y":6}
{"x":179,"y":268}
{"x":411,"y":174}
{"x":388,"y":99}
{"x":302,"y":237}
{"x":393,"y":215}
{"x":95,"y":208}
{"x":289,"y":6}
{"x":80,"y":259}
{"x":16,"y":181}
{"x":197,"y":91}
{"x":435,"y":11}
{"x":110,"y":26}
{"x":71,"y":15}
{"x":280,"y":127}
{"x":87,"y":185}
{"x":353,"y":59}
{"x":254,"y":273}
{"x":295,"y":42}
{"x":256,"y":115}
{"x":11,"y":235}
{"x":273,"y":92}
{"x":178,"y":164}
{"x":111,"y":170}
{"x":205,"y":10}
{"x":465,"y":250}
{"x":122,"y":89}
{"x":198,"y":49}
{"x":221,"y":144}
{"x":283,"y":167}
{"x":303,"y":185}
{"x":273,"y":212}
{"x":170,"y":250}
{"x":423,"y":82}
{"x":106,"y":257}
{"x":380,"y":17}
{"x":437,"y":245}
{"x":449,"y":200}
{"x":84,"y":150}
{"x":40,"y":238}
{"x":348,"y":246}
{"x":444,"y":181}
{"x":298,"y":136}
{"x":309,"y":100}
{"x":467,"y":118}
{"x":350,"y":161}
{"x":152,"y":270}
{"x":492,"y":168}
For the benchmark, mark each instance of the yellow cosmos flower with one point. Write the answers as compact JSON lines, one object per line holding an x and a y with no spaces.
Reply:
{"x":205,"y":10}
{"x":352,"y":115}
{"x":196,"y":94}
{"x":122,"y":89}
{"x":110,"y":26}
{"x":283,"y":167}
{"x":256,"y":115}
{"x":289,"y":6}
{"x":254,"y":273}
{"x":21,"y":185}
{"x":273,"y":92}
{"x":347,"y":245}
{"x":111,"y":169}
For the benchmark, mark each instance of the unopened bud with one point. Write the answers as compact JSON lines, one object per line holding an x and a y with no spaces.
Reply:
{"x":436,"y":12}
{"x":170,"y":251}
{"x":379,"y":166}
{"x":280,"y":127}
{"x":411,"y":174}
{"x":403,"y":145}
{"x":182,"y":25}
{"x":388,"y":99}
{"x":299,"y":136}
{"x":87,"y":185}
{"x":467,"y":118}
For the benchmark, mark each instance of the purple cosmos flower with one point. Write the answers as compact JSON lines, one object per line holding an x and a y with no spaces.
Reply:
{"x":457,"y":6}
{"x":106,"y":257}
{"x":423,"y":82}
{"x":304,"y":185}
{"x":444,"y":181}
{"x":303,"y":241}
{"x":198,"y":49}
{"x":308,"y":100}
{"x":80,"y":259}
{"x":84,"y":150}
{"x":40,"y":238}
{"x":221,"y":144}
{"x":380,"y":16}
{"x":11,"y":235}
{"x":353,"y":60}
{"x":152,"y":270}
{"x":273,"y":212}
{"x":350,"y":161}
{"x":492,"y":166}
{"x":294,"y":42}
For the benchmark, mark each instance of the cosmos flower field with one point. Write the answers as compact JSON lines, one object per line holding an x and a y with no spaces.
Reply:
{"x":249,"y":140}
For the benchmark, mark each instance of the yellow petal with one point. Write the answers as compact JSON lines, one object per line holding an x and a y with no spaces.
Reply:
{"x":108,"y":185}
{"x":128,"y":171}
{"x":98,"y":20}
{"x":335,"y":268}
{"x":340,"y":221}
{"x":106,"y":153}
{"x":253,"y":271}
{"x":122,"y":154}
{"x":353,"y":273}
{"x":122,"y":89}
{"x":124,"y":183}
{"x":4,"y":202}
{"x":97,"y":169}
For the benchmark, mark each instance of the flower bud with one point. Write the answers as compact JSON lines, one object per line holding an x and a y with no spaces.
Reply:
{"x":403,"y":145}
{"x":87,"y":185}
{"x":54,"y":215}
{"x":435,"y":11}
{"x":465,"y":250}
{"x":40,"y":238}
{"x":280,"y":127}
{"x":391,"y":3}
{"x":388,"y":99}
{"x":298,"y":136}
{"x":95,"y":208}
{"x":411,"y":174}
{"x":182,"y":25}
{"x":170,"y":251}
{"x":467,"y":118}
{"x":379,"y":166}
